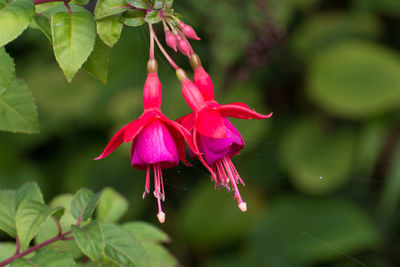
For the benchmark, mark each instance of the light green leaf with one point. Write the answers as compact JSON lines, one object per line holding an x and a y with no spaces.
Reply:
{"x":97,"y":63}
{"x":355,"y":79}
{"x":7,"y":249}
{"x":109,"y":29}
{"x":90,"y":239}
{"x":81,"y":2}
{"x":29,"y":191}
{"x":139,"y":3}
{"x":15,"y":16}
{"x":133,"y":18}
{"x":42,"y":23}
{"x":152,"y":17}
{"x":159,"y":255}
{"x":58,"y":212}
{"x":168,"y":3}
{"x":318,"y":161}
{"x":46,"y":257}
{"x":105,"y":8}
{"x":122,"y":248}
{"x":73,"y":40}
{"x":144,"y":231}
{"x":31,"y":216}
{"x":18,"y":110}
{"x":84,"y":204}
{"x":7,"y":70}
{"x":64,"y":201}
{"x":112,"y":206}
{"x":158,"y":4}
{"x":61,"y":8}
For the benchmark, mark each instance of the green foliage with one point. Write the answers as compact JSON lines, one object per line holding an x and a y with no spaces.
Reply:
{"x":106,"y":8}
{"x":90,"y":240}
{"x":97,"y":63}
{"x":7,"y":70}
{"x":134,"y":18}
{"x":109,"y":29}
{"x":112,"y":206}
{"x":84,"y":204}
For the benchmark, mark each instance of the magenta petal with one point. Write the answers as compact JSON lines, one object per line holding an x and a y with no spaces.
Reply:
{"x":154,"y":144}
{"x":214,"y":149}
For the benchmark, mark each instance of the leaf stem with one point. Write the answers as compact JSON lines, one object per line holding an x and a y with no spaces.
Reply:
{"x":173,"y":64}
{"x":18,"y":254}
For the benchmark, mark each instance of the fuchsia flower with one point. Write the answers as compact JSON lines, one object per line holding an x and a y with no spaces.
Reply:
{"x":157,"y":142}
{"x":213,"y":135}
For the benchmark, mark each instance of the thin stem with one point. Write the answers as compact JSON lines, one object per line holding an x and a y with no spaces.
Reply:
{"x":151,"y":42}
{"x":34,"y":248}
{"x":173,"y":64}
{"x":68,"y":7}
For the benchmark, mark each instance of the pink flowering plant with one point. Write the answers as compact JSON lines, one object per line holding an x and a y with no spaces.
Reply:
{"x":82,"y":39}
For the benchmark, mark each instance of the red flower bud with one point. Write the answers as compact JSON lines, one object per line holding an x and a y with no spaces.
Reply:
{"x":184,"y":46}
{"x":170,"y":39}
{"x":188,"y":31}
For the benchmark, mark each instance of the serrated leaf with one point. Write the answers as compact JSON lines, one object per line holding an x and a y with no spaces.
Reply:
{"x":18,"y":110}
{"x":109,"y":29}
{"x":30,"y":217}
{"x":152,"y":17}
{"x":122,"y":248}
{"x":112,"y":206}
{"x":145,"y":232}
{"x":139,"y":3}
{"x":73,"y":40}
{"x":90,"y":240}
{"x":105,"y":8}
{"x":84,"y":204}
{"x":133,"y":18}
{"x":42,"y":23}
{"x":45,"y":258}
{"x":15,"y":16}
{"x":7,"y":70}
{"x":97,"y":63}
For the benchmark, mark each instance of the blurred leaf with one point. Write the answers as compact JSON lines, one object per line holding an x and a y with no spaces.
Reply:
{"x":58,"y":212}
{"x":30,"y":217}
{"x":84,"y":204}
{"x":144,"y":231}
{"x":311,"y":230}
{"x":109,"y":29}
{"x":81,"y":2}
{"x":112,"y":206}
{"x":133,"y":18}
{"x":122,"y":248}
{"x":45,"y":258}
{"x":15,"y":16}
{"x":7,"y":249}
{"x":325,"y":30}
{"x":355,"y":80}
{"x":90,"y":239}
{"x":105,"y":8}
{"x":390,"y":7}
{"x":42,"y":23}
{"x":139,"y":3}
{"x":73,"y":40}
{"x":159,"y":255}
{"x":152,"y":17}
{"x":158,"y":4}
{"x":43,"y":7}
{"x":318,"y":161}
{"x":18,"y":110}
{"x":168,"y":3}
{"x":64,"y":201}
{"x":7,"y":70}
{"x":228,"y":223}
{"x":97,"y":63}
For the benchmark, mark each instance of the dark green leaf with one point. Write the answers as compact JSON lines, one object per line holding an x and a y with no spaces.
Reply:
{"x":81,"y":2}
{"x":90,"y":239}
{"x":42,"y":23}
{"x":133,"y":18}
{"x":84,"y":204}
{"x":45,"y":258}
{"x":144,"y":231}
{"x":112,"y":206}
{"x":139,"y":3}
{"x":152,"y":17}
{"x":73,"y":40}
{"x":109,"y":29}
{"x":15,"y":16}
{"x":7,"y":70}
{"x":105,"y":8}
{"x":97,"y":63}
{"x":58,"y":212}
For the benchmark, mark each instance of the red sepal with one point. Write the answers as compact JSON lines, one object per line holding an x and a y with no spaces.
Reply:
{"x":241,"y":111}
{"x":210,"y":123}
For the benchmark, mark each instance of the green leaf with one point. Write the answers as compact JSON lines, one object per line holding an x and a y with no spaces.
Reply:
{"x":122,"y":248}
{"x":7,"y":249}
{"x":45,"y":257}
{"x":152,"y":17}
{"x":159,"y":255}
{"x":42,"y":23}
{"x":90,"y":239}
{"x":168,"y":3}
{"x":15,"y":16}
{"x":112,"y":206}
{"x":97,"y":63}
{"x":58,"y":212}
{"x":311,"y":230}
{"x":355,"y":79}
{"x":105,"y":8}
{"x":31,"y":216}
{"x":318,"y":161}
{"x":73,"y":40}
{"x":133,"y":18}
{"x":61,"y":8}
{"x":84,"y":204}
{"x":7,"y":70}
{"x":81,"y":2}
{"x":18,"y":110}
{"x":109,"y":29}
{"x":158,"y":4}
{"x":139,"y":3}
{"x":144,"y":231}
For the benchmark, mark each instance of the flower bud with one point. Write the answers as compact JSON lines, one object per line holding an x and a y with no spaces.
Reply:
{"x":170,"y":39}
{"x":188,"y":31}
{"x":184,"y":46}
{"x":191,"y":93}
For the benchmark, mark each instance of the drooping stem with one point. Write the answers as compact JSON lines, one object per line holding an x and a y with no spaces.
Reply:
{"x":18,"y":254}
{"x":151,"y":42}
{"x":173,"y":64}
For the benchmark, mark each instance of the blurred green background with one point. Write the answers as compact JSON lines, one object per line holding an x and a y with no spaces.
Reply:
{"x":322,"y":175}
